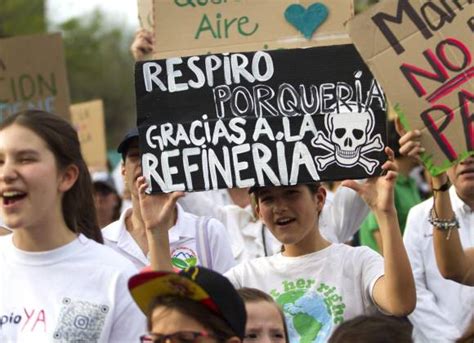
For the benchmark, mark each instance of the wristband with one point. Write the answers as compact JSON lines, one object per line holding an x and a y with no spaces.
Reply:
{"x":444,"y":187}
{"x":443,"y":224}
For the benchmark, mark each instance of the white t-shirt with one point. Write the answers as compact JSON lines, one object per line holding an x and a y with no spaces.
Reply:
{"x":77,"y":292}
{"x":317,"y":291}
{"x":444,"y":308}
{"x":183,"y":243}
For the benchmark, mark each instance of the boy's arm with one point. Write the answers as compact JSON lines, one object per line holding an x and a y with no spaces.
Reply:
{"x":395,"y":291}
{"x":159,"y":250}
{"x":378,"y":239}
{"x":159,"y":215}
{"x":453,"y":261}
{"x":429,"y":319}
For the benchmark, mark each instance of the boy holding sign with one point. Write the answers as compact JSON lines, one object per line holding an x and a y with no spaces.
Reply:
{"x":319,"y":284}
{"x":323,"y":283}
{"x":194,"y":240}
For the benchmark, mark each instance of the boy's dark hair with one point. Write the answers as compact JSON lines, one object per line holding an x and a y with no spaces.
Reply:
{"x":373,"y":329}
{"x":253,"y":295}
{"x":130,"y":136}
{"x":217,"y":326}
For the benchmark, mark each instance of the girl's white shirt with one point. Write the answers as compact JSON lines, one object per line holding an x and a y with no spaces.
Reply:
{"x":77,"y":292}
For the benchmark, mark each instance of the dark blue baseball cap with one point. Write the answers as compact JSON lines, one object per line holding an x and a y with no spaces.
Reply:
{"x":127,"y":139}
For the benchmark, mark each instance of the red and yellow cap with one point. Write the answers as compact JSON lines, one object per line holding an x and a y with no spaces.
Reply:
{"x":203,"y":285}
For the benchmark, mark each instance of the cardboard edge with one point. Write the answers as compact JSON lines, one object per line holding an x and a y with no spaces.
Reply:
{"x":335,"y":37}
{"x":438,"y":169}
{"x":402,"y":116}
{"x":427,"y":159}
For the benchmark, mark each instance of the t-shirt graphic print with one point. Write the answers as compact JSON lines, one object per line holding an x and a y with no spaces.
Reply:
{"x":317,"y":291}
{"x":310,"y":309}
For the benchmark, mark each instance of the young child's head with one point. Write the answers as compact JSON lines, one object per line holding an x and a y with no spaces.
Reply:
{"x":290,"y":212}
{"x":194,"y":305}
{"x":131,"y":162}
{"x":187,"y":320}
{"x":265,"y":319}
{"x":373,"y":329}
{"x":47,"y":173}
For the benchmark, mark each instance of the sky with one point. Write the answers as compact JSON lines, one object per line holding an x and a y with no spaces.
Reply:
{"x":123,"y":11}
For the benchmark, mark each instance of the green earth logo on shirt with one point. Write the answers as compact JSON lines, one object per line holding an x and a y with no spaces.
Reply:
{"x":183,"y":257}
{"x":310,"y":311}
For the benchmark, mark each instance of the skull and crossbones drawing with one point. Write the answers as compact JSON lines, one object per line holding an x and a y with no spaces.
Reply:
{"x":350,"y":139}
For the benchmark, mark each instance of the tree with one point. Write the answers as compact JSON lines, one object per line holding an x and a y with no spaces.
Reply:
{"x":100,"y":65}
{"x":21,"y":17}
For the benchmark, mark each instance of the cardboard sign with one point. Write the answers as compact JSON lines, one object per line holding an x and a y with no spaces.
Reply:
{"x":33,"y":75}
{"x":263,"y":118}
{"x":196,"y":27}
{"x":422,"y":53}
{"x":88,"y":118}
{"x":145,"y":14}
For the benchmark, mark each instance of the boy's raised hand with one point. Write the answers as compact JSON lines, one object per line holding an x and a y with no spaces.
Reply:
{"x":410,"y":144}
{"x":378,"y":192}
{"x":159,"y":210}
{"x":142,"y":44}
{"x":159,"y":214}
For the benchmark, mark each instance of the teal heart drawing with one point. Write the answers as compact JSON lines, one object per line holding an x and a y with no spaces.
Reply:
{"x":306,"y":20}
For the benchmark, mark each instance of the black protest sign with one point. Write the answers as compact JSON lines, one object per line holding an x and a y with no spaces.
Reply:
{"x":262,"y":118}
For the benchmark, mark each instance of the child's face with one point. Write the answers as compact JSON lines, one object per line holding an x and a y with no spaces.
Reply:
{"x":291,"y":213}
{"x":166,"y":321}
{"x":30,"y":182}
{"x":132,"y":168}
{"x":264,"y":323}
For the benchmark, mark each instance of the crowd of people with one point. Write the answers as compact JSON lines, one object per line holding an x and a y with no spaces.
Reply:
{"x":81,"y":262}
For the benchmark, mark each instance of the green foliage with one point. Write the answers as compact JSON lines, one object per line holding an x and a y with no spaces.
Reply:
{"x":100,"y":65}
{"x":362,"y":5}
{"x":179,"y":263}
{"x":21,"y":17}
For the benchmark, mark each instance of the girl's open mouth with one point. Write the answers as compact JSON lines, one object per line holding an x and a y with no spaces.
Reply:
{"x":12,"y":197}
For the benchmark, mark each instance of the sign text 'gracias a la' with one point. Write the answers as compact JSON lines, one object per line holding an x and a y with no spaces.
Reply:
{"x":262,"y":118}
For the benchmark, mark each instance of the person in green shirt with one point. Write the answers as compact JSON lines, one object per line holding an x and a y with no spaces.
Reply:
{"x":406,"y":195}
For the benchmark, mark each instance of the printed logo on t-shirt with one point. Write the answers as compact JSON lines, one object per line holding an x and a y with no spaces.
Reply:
{"x":311,"y":310}
{"x":27,"y":320}
{"x":80,"y":321}
{"x":183,"y":257}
